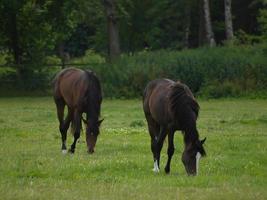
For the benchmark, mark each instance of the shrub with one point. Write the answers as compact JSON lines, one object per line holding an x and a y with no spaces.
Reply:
{"x":211,"y":72}
{"x":224,"y":89}
{"x":216,"y":72}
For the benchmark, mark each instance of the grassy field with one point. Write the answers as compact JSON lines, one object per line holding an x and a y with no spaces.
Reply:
{"x":32,"y":166}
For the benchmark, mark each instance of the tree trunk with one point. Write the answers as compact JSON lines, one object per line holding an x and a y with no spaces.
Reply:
{"x":201,"y":28}
{"x":187,"y":24}
{"x":113,"y":33}
{"x":64,"y":56}
{"x":228,"y":20}
{"x":209,"y":35}
{"x":14,"y":45}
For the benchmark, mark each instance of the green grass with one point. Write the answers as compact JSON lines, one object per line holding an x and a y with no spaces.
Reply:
{"x":32,"y":166}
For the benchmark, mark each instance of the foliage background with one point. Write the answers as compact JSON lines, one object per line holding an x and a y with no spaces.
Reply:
{"x":34,"y":35}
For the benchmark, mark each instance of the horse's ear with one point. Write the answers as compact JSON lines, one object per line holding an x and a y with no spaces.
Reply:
{"x":203,"y":141}
{"x":100,"y":121}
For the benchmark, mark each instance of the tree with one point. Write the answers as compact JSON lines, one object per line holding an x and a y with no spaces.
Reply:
{"x":209,"y":35}
{"x":90,"y":32}
{"x":10,"y":30}
{"x":26,"y":33}
{"x":262,"y":20}
{"x":63,"y":16}
{"x":113,"y":32}
{"x":228,"y":20}
{"x":187,"y":8}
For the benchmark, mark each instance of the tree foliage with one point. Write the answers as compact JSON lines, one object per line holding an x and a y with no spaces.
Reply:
{"x":34,"y":29}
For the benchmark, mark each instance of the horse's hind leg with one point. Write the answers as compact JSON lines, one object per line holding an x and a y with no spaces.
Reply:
{"x":77,"y":117}
{"x":62,"y":127}
{"x":157,"y":145}
{"x":153,"y":129}
{"x":170,"y":151}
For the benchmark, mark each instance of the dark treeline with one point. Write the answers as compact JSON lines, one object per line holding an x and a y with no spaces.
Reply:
{"x":32,"y":31}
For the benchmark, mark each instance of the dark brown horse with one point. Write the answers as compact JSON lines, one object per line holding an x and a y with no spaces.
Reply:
{"x":80,"y":90}
{"x":171,"y":106}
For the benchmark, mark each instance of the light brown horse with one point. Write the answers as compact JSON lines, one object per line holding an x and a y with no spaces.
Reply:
{"x":171,"y":106}
{"x":80,"y":90}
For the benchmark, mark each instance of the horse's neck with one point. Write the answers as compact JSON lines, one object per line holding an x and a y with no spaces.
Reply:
{"x":93,"y":109}
{"x":92,"y":113}
{"x":191,"y":134}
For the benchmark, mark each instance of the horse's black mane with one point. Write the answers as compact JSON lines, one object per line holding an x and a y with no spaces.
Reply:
{"x":183,"y":106}
{"x":180,"y":98}
{"x":93,"y":93}
{"x":94,"y":87}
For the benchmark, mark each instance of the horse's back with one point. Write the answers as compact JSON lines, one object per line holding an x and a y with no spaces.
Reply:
{"x":155,"y":100}
{"x":150,"y":90}
{"x":70,"y":85}
{"x":162,"y":95}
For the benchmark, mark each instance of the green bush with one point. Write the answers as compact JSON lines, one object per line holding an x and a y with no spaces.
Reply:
{"x":212,"y":72}
{"x":224,"y":89}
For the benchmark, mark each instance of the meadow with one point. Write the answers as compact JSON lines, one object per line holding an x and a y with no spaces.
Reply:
{"x":32,"y":166}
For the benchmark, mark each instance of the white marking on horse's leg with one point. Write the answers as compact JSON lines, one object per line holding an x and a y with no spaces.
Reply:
{"x":64,"y":151}
{"x":156,"y":166}
{"x":198,"y":156}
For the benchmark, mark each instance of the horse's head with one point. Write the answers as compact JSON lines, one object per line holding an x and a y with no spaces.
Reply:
{"x":92,"y":131}
{"x":191,"y":155}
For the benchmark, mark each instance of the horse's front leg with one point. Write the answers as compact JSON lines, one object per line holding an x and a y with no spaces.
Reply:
{"x":170,"y":151}
{"x":158,"y":143}
{"x":77,"y":129}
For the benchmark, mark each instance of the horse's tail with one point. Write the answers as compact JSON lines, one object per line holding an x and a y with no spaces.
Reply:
{"x":180,"y":97}
{"x":76,"y":124}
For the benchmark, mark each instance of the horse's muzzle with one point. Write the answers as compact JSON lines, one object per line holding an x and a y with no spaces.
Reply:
{"x":91,"y":151}
{"x":191,"y":174}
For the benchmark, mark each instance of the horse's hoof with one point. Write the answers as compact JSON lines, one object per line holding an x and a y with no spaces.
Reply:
{"x":64,"y":151}
{"x":167,"y":171}
{"x":71,"y":151}
{"x":156,"y":167}
{"x":156,"y":170}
